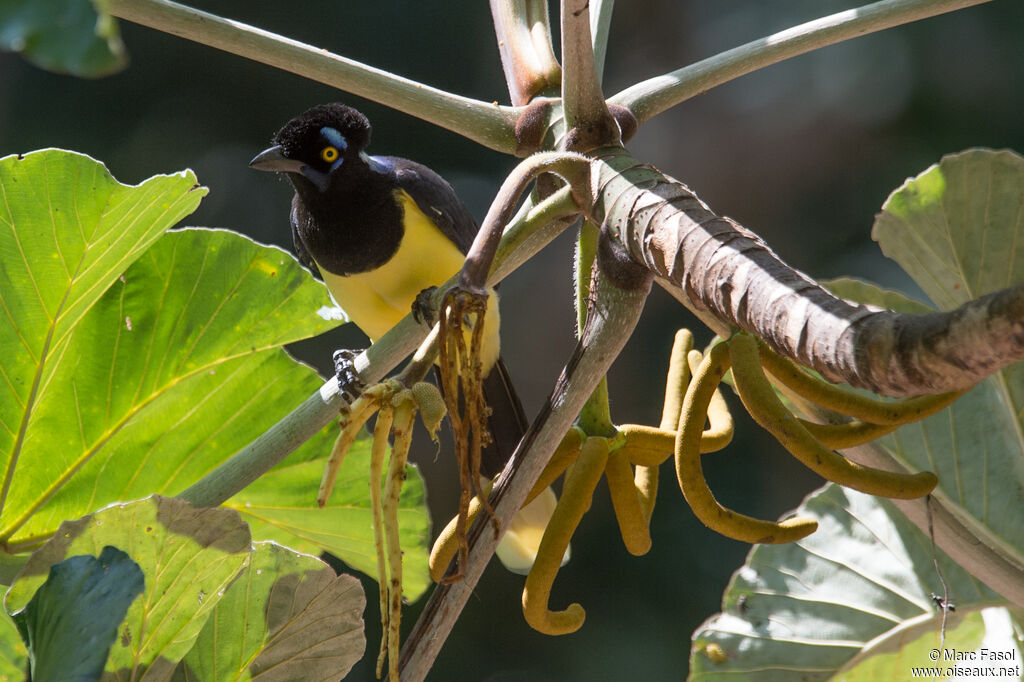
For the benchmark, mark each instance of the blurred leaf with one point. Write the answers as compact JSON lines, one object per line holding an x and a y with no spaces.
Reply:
{"x":288,"y":617}
{"x":13,"y":653}
{"x":189,"y":557}
{"x":77,"y":37}
{"x":72,"y":619}
{"x":281,"y":506}
{"x":957,"y":229}
{"x":804,"y":610}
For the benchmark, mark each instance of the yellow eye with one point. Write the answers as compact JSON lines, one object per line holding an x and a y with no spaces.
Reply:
{"x":329,"y":154}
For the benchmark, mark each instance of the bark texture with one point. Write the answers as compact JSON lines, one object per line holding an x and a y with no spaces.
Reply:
{"x":730,"y":273}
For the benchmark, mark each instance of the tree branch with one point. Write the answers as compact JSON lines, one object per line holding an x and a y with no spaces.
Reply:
{"x":728,"y":274}
{"x":649,"y":98}
{"x":483,"y":122}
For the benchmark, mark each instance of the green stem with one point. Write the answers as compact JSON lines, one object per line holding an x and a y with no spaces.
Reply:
{"x":595,"y":417}
{"x":524,"y":42}
{"x":483,"y":122}
{"x":600,"y":25}
{"x":582,"y":98}
{"x":653,"y":96}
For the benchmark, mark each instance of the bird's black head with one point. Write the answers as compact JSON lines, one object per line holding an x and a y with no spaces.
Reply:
{"x":319,"y":144}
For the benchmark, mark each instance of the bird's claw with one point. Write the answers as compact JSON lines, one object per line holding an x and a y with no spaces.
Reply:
{"x":349,"y":384}
{"x":422,"y":311}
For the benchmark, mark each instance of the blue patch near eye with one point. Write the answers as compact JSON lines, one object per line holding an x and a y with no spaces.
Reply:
{"x":334,"y":137}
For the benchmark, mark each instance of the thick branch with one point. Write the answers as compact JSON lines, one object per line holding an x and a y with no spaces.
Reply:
{"x":482,"y":122}
{"x":728,"y":273}
{"x":653,"y":96}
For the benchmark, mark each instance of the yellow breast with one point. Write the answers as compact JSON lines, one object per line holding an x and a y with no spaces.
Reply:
{"x":377,"y":300}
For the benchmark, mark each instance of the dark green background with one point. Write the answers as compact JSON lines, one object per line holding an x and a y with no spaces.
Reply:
{"x":804,"y":153}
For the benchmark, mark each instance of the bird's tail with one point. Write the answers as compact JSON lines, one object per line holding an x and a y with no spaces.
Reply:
{"x":506,"y":423}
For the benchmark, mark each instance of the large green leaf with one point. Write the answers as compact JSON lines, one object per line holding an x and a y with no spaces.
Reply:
{"x":73,"y":618}
{"x":804,"y":610}
{"x":176,"y":368}
{"x":281,"y":506}
{"x":958,"y":229}
{"x":189,"y":556}
{"x":288,"y":617}
{"x":173,"y":368}
{"x":67,"y":231}
{"x":135,"y":373}
{"x":67,"y":36}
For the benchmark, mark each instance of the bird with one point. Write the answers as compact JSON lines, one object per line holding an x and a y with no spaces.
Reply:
{"x":379,"y":230}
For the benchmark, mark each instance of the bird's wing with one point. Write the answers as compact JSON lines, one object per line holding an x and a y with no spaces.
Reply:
{"x":436,"y":199}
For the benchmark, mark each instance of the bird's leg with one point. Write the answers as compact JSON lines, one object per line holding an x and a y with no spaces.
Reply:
{"x":349,"y":384}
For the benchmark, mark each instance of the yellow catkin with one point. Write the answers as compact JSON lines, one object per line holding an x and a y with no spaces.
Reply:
{"x":691,"y":474}
{"x":646,"y":445}
{"x":719,"y":432}
{"x":848,"y":435}
{"x":447,"y":543}
{"x":677,"y":380}
{"x":626,"y":501}
{"x":764,"y":406}
{"x":361,"y":409}
{"x":577,"y":492}
{"x":645,"y":477}
{"x":565,"y":454}
{"x":846,"y":402}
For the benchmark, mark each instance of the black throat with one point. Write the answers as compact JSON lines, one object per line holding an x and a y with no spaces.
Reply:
{"x":355,"y":226}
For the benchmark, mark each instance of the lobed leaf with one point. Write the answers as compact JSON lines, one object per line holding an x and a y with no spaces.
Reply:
{"x":189,"y":556}
{"x":804,"y":610}
{"x":288,"y":617}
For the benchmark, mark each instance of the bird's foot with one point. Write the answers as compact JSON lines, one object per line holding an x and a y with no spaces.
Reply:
{"x":422,"y":311}
{"x":349,"y":384}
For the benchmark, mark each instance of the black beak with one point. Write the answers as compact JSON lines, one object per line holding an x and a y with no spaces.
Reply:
{"x":273,"y":159}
